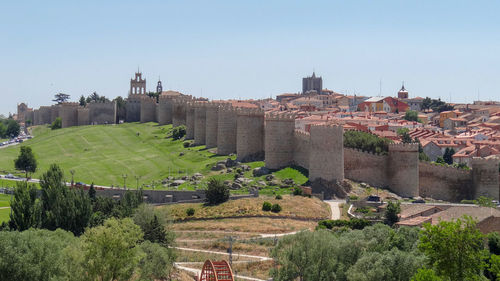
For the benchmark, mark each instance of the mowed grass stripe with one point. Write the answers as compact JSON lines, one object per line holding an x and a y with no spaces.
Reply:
{"x":102,"y":154}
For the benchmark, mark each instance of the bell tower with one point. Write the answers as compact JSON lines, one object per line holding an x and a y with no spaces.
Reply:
{"x":137,"y":84}
{"x":159,"y":87}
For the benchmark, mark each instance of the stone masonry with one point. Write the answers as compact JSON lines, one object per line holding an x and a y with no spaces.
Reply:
{"x":226,"y":130}
{"x":279,"y":140}
{"x":249,"y":134}
{"x":199,"y":122}
{"x":211,"y":122}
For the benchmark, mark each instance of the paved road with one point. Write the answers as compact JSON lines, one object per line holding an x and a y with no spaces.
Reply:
{"x":334,"y":206}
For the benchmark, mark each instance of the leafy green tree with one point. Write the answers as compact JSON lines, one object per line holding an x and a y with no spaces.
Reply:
{"x":448,"y":155}
{"x":26,"y":160}
{"x":82,"y":101}
{"x":485,"y":201}
{"x":426,"y":275}
{"x":391,"y":212}
{"x":494,"y":243}
{"x":13,"y":129}
{"x":404,"y":134}
{"x":454,"y":249}
{"x":60,"y":98}
{"x":3,"y":130}
{"x":366,"y":142}
{"x":110,"y":251}
{"x":63,"y":208}
{"x":412,"y":115}
{"x":217,"y":192}
{"x":494,"y":266}
{"x":154,"y":225}
{"x":157,"y":263}
{"x":25,"y":209}
{"x":92,"y":192}
{"x":33,"y":254}
{"x":57,"y":124}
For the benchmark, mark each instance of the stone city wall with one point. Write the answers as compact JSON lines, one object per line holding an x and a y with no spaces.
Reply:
{"x":102,"y":113}
{"x":69,"y":114}
{"x":164,"y":112}
{"x":326,"y":157}
{"x":403,"y":169}
{"x":83,"y":116}
{"x":301,"y":148}
{"x":444,"y":183}
{"x":366,"y":167}
{"x":54,"y":113}
{"x":485,"y":177}
{"x":211,"y":122}
{"x":133,"y":108}
{"x":148,"y":109}
{"x":226,"y":130}
{"x":189,"y":121}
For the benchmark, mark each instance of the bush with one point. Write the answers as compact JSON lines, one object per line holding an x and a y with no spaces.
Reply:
{"x":353,"y":197}
{"x":297,"y":191}
{"x":187,"y":144}
{"x":179,"y":132}
{"x":354,"y":223}
{"x":279,"y":197}
{"x":266,"y":206}
{"x":217,"y":192}
{"x":366,"y":142}
{"x":57,"y":124}
{"x":190,"y":212}
{"x":276,"y":208}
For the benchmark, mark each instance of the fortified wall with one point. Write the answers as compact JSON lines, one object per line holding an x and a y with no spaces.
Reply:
{"x":254,"y":135}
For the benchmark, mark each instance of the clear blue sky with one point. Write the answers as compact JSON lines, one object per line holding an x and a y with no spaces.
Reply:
{"x":248,"y":49}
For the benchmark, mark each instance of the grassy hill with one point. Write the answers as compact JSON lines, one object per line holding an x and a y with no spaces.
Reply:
{"x":103,"y":153}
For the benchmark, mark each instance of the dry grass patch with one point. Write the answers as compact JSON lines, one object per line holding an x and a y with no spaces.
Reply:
{"x":292,"y":206}
{"x":256,"y":248}
{"x":248,"y":225}
{"x":253,"y":269}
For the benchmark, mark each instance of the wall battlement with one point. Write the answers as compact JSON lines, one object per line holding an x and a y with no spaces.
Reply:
{"x":249,"y":111}
{"x":408,"y":147}
{"x":285,"y":116}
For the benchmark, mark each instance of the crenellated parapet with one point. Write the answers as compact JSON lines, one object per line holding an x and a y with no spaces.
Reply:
{"x":403,"y":169}
{"x":281,"y":116}
{"x":242,"y":111}
{"x":403,"y":147}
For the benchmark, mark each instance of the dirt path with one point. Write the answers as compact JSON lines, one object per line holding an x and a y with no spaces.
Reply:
{"x":259,"y":258}
{"x":334,"y":206}
{"x":198,"y":272}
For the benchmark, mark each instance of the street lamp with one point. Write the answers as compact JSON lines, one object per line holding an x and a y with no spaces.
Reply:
{"x":124,"y":181}
{"x":72,"y":172}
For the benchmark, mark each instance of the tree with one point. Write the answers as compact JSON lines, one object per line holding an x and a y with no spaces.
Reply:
{"x":366,"y":142}
{"x":63,"y":208}
{"x":92,"y":192}
{"x":217,"y":192}
{"x":60,"y":98}
{"x":110,"y":251}
{"x":33,"y":254}
{"x":391,"y":212}
{"x":12,"y":129}
{"x":448,"y":155}
{"x":25,"y":209}
{"x":83,"y":102}
{"x":154,"y":225}
{"x":57,"y":124}
{"x":404,"y":134}
{"x":157,"y":262}
{"x":454,"y":249}
{"x":412,"y":115}
{"x":179,"y":132}
{"x":494,"y":243}
{"x":26,"y":160}
{"x":426,"y":275}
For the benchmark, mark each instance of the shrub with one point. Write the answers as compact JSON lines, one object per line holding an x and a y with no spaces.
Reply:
{"x":190,"y":212}
{"x":179,"y":132}
{"x":276,"y":208}
{"x":297,"y":191}
{"x":186,"y":144}
{"x":217,"y":192}
{"x":266,"y":206}
{"x":57,"y":124}
{"x":354,"y":223}
{"x":279,"y":197}
{"x":353,"y":197}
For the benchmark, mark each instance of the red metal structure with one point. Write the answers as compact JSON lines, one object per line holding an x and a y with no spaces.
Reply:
{"x":216,"y":271}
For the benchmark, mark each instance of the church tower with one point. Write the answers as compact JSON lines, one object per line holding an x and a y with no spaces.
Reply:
{"x":159,"y":87}
{"x":403,"y":93}
{"x":137,"y":85}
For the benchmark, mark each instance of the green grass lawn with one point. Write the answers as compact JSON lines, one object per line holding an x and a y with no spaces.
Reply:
{"x":4,"y":212}
{"x":103,"y":153}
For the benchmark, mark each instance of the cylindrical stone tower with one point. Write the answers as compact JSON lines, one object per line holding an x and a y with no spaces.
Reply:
{"x":148,"y":109}
{"x":279,"y":140}
{"x":199,"y":123}
{"x":485,"y":178}
{"x":189,"y":121}
{"x":178,"y":112}
{"x":211,"y":122}
{"x":326,"y":158}
{"x":250,"y":134}
{"x":164,"y":110}
{"x":403,"y":169}
{"x":226,"y":130}
{"x":69,"y":114}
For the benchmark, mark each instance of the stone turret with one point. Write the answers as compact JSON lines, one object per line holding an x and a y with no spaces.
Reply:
{"x":279,"y":140}
{"x":326,"y":160}
{"x":250,"y":134}
{"x":226,"y":130}
{"x":199,"y":122}
{"x":83,"y":116}
{"x":189,"y":121}
{"x":212,"y":119}
{"x":485,"y":177}
{"x":54,"y":112}
{"x":164,"y":114}
{"x":178,"y":112}
{"x":403,"y":169}
{"x":133,"y":108}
